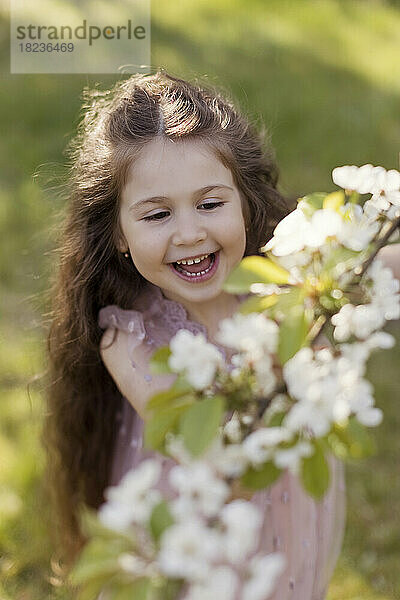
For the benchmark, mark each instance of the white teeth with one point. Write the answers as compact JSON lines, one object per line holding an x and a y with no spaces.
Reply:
{"x":196,"y":274}
{"x":190,"y":261}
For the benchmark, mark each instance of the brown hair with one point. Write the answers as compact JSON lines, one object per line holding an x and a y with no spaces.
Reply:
{"x":82,"y":400}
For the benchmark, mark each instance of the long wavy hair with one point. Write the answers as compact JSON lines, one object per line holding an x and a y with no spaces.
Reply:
{"x":79,"y":429}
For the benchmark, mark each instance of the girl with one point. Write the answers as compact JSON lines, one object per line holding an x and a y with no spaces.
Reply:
{"x":170,"y":188}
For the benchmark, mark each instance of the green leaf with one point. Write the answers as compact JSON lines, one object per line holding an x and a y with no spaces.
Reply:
{"x":338,"y":446}
{"x":276,"y":419}
{"x":258,"y":479}
{"x":254,"y":269}
{"x":340,"y":259}
{"x":97,"y":559}
{"x":160,"y":519}
{"x":361,"y":443}
{"x":159,"y":361}
{"x":92,"y":527}
{"x":137,"y":590}
{"x":292,"y":334}
{"x":257,"y":304}
{"x":312,"y":202}
{"x":288,"y":300}
{"x":315,"y":474}
{"x":165,"y":399}
{"x":199,"y":424}
{"x":351,"y":440}
{"x":171,"y":589}
{"x":91,"y":589}
{"x":163,"y":421}
{"x":334,"y":200}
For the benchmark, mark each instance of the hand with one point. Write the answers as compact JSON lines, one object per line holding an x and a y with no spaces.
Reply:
{"x":320,"y":343}
{"x":390,"y":256}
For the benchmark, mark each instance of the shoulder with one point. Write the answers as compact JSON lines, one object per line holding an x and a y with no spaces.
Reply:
{"x":117,"y":358}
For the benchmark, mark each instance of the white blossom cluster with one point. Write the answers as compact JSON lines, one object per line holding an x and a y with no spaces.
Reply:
{"x":361,"y":320}
{"x":131,"y":502}
{"x":256,"y":339}
{"x":298,"y":235}
{"x":206,"y":546}
{"x":196,"y":357}
{"x":383,"y":185}
{"x":328,"y":388}
{"x":297,"y":232}
{"x":253,"y":336}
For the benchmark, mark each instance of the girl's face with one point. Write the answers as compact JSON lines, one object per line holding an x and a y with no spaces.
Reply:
{"x":180,"y":203}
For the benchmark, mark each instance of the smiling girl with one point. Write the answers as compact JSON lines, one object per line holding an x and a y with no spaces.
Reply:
{"x":171,"y":187}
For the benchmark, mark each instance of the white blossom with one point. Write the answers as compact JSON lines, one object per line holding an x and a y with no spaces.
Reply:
{"x":380,"y":339}
{"x":197,"y":357}
{"x":296,"y":232}
{"x":188,"y":549}
{"x":357,"y":229}
{"x":382,"y":289}
{"x":294,"y":262}
{"x":329,"y":389}
{"x":134,"y":565}
{"x":290,"y":458}
{"x":265,"y":289}
{"x":393,"y":213}
{"x":366,"y":179}
{"x":265,"y":377}
{"x":227,"y":460}
{"x":346,"y":177}
{"x":264,"y":572}
{"x":359,"y":320}
{"x":253,"y":334}
{"x":309,"y":415}
{"x":133,"y":499}
{"x":259,"y":446}
{"x":224,"y":459}
{"x":221,"y":583}
{"x":324,"y":223}
{"x":200,"y":490}
{"x":232,"y":429}
{"x":289,"y":237}
{"x":370,"y":417}
{"x":384,"y":294}
{"x":239,"y":540}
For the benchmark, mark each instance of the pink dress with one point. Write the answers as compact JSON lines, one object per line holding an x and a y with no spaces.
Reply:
{"x":307,"y":531}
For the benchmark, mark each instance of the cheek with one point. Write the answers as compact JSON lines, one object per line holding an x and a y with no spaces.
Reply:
{"x":235,"y":229}
{"x":147,"y":247}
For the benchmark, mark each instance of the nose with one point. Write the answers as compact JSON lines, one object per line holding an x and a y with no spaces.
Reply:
{"x":189,"y":230}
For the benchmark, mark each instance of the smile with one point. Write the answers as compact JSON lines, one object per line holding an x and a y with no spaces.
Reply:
{"x":197,"y":270}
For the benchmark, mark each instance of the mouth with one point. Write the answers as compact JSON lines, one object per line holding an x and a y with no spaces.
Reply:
{"x":198,"y":269}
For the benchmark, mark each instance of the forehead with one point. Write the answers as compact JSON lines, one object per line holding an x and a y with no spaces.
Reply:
{"x":171,"y":168}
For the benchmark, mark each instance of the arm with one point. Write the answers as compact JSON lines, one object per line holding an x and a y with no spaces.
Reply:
{"x":390,"y":256}
{"x":128,"y":380}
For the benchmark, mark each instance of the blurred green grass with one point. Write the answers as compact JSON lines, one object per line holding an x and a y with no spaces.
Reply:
{"x":324,"y":75}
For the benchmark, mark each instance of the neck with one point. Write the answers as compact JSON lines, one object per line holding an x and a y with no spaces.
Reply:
{"x":210,"y":313}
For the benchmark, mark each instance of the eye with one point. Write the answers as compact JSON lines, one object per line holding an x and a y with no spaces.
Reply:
{"x":160,"y":215}
{"x":211,"y":205}
{"x":156,"y":216}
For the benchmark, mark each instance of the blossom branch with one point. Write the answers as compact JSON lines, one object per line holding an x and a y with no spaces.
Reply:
{"x":381,"y":243}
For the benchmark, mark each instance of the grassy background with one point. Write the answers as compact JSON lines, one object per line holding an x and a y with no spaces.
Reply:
{"x":324,"y":75}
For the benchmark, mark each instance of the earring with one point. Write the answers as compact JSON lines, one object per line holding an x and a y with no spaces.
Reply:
{"x":126,"y":254}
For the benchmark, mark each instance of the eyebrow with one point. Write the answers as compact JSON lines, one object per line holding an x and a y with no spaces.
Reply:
{"x":197,"y":193}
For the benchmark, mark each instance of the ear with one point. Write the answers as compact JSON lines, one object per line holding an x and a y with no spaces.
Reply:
{"x":122,"y":244}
